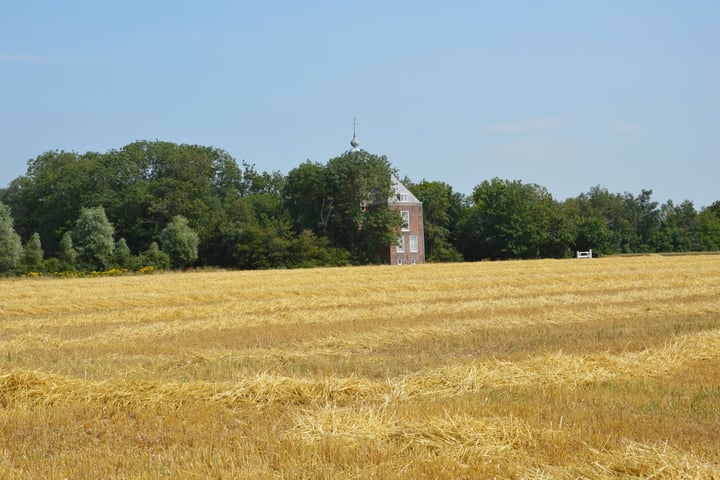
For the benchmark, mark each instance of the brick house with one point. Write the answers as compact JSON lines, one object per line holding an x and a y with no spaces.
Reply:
{"x":410,"y":249}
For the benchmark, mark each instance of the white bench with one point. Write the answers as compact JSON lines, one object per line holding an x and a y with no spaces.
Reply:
{"x":587,"y":254}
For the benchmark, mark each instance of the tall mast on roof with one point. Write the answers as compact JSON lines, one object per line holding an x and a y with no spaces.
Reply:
{"x":354,"y":143}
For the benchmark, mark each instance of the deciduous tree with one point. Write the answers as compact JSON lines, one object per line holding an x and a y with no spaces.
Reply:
{"x":355,"y":183}
{"x":510,"y":219}
{"x":67,"y":255}
{"x":10,"y":243}
{"x":709,"y":220}
{"x":304,"y":196}
{"x":93,"y":239}
{"x":154,"y":257}
{"x":180,"y":242}
{"x":33,"y":254}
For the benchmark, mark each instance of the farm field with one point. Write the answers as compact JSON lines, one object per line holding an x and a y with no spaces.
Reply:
{"x":602,"y":368}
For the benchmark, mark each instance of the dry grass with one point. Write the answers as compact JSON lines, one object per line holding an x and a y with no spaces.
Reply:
{"x":607,"y":368}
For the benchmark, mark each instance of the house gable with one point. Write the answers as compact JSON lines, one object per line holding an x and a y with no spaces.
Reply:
{"x":410,"y":248}
{"x":401,"y":194}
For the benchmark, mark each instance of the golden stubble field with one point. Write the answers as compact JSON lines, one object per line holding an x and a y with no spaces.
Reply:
{"x":602,"y":368}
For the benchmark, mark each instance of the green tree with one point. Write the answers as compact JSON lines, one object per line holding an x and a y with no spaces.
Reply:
{"x":123,"y":257}
{"x":644,"y":216}
{"x":679,"y":229}
{"x":512,"y":220}
{"x":20,"y":197}
{"x":10,"y":243}
{"x":67,"y":255}
{"x":262,"y":246}
{"x":154,"y":257}
{"x":141,"y":187}
{"x":714,"y":208}
{"x":592,"y":234}
{"x":354,"y":213}
{"x":605,"y":222}
{"x":560,"y":230}
{"x":180,"y":242}
{"x":33,"y":254}
{"x":129,"y":202}
{"x":309,"y":250}
{"x":594,"y":214}
{"x":304,"y":197}
{"x":93,"y":239}
{"x":57,"y":185}
{"x":260,"y":182}
{"x":709,"y":223}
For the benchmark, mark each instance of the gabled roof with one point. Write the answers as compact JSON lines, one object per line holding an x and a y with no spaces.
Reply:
{"x":402,"y":194}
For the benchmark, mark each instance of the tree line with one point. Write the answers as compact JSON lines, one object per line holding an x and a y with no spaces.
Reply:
{"x":173,"y":205}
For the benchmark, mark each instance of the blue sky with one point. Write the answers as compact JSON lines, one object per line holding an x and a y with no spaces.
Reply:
{"x":565,"y":94}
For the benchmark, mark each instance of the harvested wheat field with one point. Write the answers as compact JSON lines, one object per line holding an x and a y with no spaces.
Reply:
{"x":602,"y":368}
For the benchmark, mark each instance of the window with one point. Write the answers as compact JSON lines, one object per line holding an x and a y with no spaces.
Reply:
{"x":405,"y":214}
{"x":413,"y":261}
{"x":413,"y":244}
{"x":399,"y":260}
{"x":402,"y":197}
{"x":401,"y":244}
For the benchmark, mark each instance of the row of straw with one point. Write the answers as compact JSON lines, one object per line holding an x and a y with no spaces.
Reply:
{"x":266,"y":388}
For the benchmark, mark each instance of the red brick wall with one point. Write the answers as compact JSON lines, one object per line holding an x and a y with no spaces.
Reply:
{"x":415,"y":228}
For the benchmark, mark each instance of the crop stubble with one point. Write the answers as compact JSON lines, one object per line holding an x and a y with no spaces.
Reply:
{"x":552,"y":369}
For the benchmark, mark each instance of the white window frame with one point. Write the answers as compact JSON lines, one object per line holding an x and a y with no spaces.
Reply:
{"x":414,"y":244}
{"x":401,"y":244}
{"x":405,"y":214}
{"x":402,"y":197}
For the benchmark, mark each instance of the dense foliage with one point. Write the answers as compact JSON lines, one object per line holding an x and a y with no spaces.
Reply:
{"x":164,"y":205}
{"x":180,"y":242}
{"x":10,"y":244}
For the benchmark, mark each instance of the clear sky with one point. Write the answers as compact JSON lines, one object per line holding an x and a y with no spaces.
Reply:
{"x":624,"y":94}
